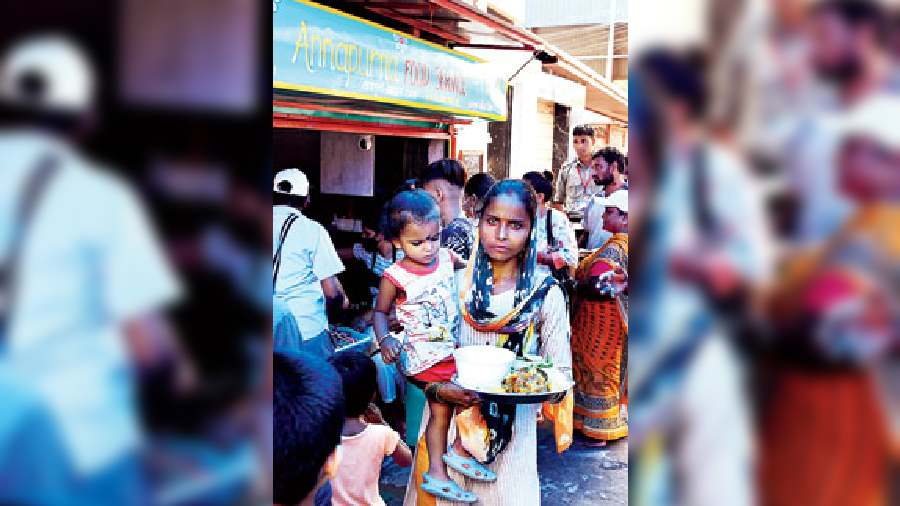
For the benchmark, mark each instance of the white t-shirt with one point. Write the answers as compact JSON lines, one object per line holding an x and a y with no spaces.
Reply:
{"x":307,"y":257}
{"x":89,"y":263}
{"x":562,"y":233}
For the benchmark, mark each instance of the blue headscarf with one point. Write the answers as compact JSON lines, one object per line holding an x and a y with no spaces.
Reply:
{"x":475,"y":298}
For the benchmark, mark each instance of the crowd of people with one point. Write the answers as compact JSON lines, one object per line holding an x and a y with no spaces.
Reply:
{"x":536,"y":265}
{"x":764,"y":298}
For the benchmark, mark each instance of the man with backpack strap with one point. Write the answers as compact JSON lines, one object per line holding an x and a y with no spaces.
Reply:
{"x":305,"y":264}
{"x":84,"y":287}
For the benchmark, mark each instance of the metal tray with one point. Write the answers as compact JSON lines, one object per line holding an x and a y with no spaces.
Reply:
{"x":553,"y":397}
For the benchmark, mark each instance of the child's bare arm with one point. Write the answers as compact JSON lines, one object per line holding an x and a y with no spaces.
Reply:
{"x":402,"y":455}
{"x":387,"y":292}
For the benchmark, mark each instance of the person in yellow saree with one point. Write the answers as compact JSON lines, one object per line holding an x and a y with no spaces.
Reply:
{"x":505,"y":303}
{"x":600,"y":330}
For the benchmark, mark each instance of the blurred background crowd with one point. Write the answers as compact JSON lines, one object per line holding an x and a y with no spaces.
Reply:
{"x":134,"y":354}
{"x":766,"y":193}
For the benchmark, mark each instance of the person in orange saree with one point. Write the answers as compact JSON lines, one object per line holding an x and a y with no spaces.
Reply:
{"x":825,"y":440}
{"x":600,"y":331}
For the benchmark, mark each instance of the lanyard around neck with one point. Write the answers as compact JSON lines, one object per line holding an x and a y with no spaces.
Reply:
{"x":584,"y":184}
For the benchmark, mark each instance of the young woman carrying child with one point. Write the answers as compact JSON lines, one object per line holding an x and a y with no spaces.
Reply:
{"x":500,"y":293}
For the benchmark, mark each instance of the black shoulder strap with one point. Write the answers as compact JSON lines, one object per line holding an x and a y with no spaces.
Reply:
{"x":550,"y":241}
{"x":703,"y":215}
{"x":276,"y":261}
{"x":35,"y":186}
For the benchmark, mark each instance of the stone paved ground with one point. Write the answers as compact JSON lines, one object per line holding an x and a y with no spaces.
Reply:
{"x":580,"y":476}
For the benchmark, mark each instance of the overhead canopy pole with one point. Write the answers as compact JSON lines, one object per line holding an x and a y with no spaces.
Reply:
{"x":610,"y":50}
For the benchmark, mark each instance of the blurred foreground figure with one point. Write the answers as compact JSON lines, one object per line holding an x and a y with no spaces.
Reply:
{"x":308,"y":416}
{"x":848,"y":55}
{"x":762,"y":79}
{"x":702,"y":244}
{"x":83,"y":279}
{"x":837,"y":311}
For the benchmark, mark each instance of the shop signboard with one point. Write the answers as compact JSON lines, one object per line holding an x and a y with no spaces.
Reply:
{"x":321,"y":50}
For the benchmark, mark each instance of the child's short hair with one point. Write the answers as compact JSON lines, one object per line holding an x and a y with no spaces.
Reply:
{"x":357,"y":373}
{"x":308,"y":416}
{"x":406,"y":207}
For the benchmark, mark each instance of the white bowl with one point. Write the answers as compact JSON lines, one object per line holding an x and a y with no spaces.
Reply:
{"x":482,"y":367}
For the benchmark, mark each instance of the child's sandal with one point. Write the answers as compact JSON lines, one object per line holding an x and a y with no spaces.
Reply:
{"x":468,"y":467}
{"x":447,"y":490}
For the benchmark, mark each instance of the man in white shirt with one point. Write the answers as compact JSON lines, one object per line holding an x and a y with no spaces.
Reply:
{"x":608,"y":172}
{"x":90,"y":279}
{"x":305,"y":263}
{"x":852,"y":64}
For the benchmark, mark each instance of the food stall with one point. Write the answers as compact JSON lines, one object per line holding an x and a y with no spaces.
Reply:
{"x":361,"y":107}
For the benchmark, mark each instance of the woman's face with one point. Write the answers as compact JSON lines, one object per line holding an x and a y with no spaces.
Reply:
{"x":615,"y":221}
{"x":867,"y":170}
{"x":504,"y":228}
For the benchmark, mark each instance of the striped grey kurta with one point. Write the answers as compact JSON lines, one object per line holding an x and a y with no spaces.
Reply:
{"x":516,"y":467}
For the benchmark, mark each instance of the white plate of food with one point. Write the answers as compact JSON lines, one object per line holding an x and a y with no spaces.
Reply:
{"x":529,"y":380}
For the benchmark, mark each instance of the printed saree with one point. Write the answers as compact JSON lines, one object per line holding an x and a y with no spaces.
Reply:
{"x":599,"y":344}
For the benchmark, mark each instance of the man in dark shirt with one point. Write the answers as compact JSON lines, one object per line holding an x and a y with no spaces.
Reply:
{"x":444,"y":180}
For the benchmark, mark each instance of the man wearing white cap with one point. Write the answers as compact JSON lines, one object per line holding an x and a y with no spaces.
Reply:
{"x":615,"y":217}
{"x":83,"y":282}
{"x":305,"y":263}
{"x":852,"y":64}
